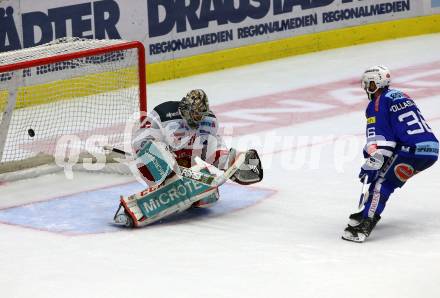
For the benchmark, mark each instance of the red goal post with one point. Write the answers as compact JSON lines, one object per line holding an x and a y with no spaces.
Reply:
{"x":71,"y":86}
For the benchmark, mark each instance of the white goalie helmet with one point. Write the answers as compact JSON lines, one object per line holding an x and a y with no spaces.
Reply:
{"x":379,"y":75}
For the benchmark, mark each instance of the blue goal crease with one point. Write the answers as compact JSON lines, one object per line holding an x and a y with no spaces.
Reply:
{"x":92,"y":212}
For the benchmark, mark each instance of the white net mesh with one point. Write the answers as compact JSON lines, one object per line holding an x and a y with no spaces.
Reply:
{"x":84,"y":97}
{"x":57,"y":47}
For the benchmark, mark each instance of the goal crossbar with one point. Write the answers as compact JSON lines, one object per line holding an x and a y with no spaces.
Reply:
{"x":88,"y":53}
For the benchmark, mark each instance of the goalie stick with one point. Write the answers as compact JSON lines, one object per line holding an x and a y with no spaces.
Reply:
{"x":210,"y":180}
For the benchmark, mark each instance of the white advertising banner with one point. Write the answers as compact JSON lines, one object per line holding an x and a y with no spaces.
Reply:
{"x":179,"y":28}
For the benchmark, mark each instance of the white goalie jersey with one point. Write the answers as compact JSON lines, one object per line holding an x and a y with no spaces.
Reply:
{"x":166,"y":137}
{"x":165,"y":124}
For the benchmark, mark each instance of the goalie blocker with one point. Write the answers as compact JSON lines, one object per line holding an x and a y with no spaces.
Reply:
{"x":182,"y":188}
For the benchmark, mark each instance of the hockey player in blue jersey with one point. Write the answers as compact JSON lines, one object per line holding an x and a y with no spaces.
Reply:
{"x":399,"y":145}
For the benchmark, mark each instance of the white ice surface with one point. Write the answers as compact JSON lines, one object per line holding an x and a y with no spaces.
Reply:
{"x":286,"y":246}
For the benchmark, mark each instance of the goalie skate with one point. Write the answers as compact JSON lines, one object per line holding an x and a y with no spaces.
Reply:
{"x":129,"y":214}
{"x":123,"y":219}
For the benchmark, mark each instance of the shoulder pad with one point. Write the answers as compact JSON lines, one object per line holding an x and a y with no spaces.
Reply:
{"x":168,"y":110}
{"x":209,"y":121}
{"x":394,"y":95}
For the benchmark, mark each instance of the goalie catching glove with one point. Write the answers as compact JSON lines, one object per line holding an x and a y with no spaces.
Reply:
{"x":251,"y":171}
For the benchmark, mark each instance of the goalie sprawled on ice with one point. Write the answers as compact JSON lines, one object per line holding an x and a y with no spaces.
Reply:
{"x":183,"y":159}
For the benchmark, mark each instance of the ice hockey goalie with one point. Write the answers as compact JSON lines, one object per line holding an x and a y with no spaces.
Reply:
{"x":181,"y":156}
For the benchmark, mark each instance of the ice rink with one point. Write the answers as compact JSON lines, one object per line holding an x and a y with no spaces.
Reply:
{"x":281,"y":238}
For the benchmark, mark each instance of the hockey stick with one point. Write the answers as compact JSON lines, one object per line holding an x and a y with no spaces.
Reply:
{"x":180,"y":171}
{"x":375,"y":162}
{"x":220,"y":179}
{"x":210,"y":180}
{"x":364,"y":192}
{"x":116,"y":150}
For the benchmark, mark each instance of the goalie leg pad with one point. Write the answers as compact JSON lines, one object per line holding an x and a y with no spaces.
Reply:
{"x":173,"y":196}
{"x":157,"y":160}
{"x":209,"y":199}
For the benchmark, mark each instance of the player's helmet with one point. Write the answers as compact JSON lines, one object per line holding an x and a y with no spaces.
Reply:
{"x":379,"y":75}
{"x":194,"y":107}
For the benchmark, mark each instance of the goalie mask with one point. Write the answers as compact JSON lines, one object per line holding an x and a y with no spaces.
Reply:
{"x":194,"y":107}
{"x":375,"y":78}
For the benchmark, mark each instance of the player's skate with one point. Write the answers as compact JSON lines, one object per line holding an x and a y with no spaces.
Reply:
{"x":361,"y":231}
{"x":356,"y":218}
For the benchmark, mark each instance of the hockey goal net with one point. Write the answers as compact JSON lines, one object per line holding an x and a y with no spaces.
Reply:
{"x":70,"y":87}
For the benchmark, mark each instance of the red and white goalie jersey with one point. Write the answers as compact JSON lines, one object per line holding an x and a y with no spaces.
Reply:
{"x":165,"y":124}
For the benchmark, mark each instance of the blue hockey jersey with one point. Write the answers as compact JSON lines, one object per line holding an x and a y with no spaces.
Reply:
{"x":395,"y":123}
